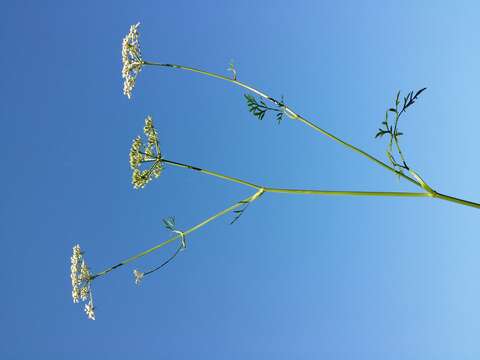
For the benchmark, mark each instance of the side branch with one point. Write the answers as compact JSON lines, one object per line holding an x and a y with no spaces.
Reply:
{"x":173,"y":238}
{"x":212,"y":173}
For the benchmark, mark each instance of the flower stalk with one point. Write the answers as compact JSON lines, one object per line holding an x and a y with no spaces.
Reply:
{"x":249,"y":199}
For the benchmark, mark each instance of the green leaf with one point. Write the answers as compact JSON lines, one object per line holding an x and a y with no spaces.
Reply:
{"x":169,"y":223}
{"x":380,"y":133}
{"x":420,"y":91}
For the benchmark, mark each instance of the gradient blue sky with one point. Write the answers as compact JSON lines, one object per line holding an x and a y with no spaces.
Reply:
{"x":296,"y":276}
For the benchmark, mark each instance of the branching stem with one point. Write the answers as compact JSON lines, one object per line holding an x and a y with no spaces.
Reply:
{"x":251,"y":198}
{"x":260,"y":191}
{"x":298,"y":117}
{"x":290,"y":112}
{"x":298,"y":191}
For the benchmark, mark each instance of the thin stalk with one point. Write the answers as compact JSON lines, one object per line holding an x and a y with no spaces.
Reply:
{"x":456,"y":200}
{"x":394,"y":136}
{"x":165,"y":263}
{"x":354,"y":148}
{"x":348,"y":193}
{"x":289,"y":112}
{"x":218,"y":76}
{"x":212,"y":173}
{"x":173,"y":238}
{"x":401,"y":154}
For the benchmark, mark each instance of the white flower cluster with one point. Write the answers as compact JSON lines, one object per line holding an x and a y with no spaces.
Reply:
{"x":135,"y":153}
{"x":81,"y":277}
{"x":149,"y":152}
{"x":150,"y":133}
{"x":131,"y":59}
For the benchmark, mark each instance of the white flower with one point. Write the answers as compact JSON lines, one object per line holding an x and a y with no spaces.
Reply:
{"x":75,"y":294}
{"x":76,"y":251}
{"x":150,"y":132}
{"x":84,"y":272}
{"x":74,"y":271}
{"x":139,"y":178}
{"x":138,"y":276}
{"x":90,"y":310}
{"x":148,"y":152}
{"x":135,"y":157}
{"x":81,"y":278}
{"x":131,"y":59}
{"x":84,"y":292}
{"x":157,"y":169}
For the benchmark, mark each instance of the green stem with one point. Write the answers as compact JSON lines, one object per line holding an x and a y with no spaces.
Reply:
{"x":298,"y":191}
{"x":218,"y":76}
{"x":289,"y":112}
{"x":212,"y":173}
{"x":456,"y":200}
{"x":428,"y":192}
{"x":405,"y":166}
{"x":368,"y":156}
{"x":395,"y":137}
{"x":348,"y":193}
{"x":173,"y":238}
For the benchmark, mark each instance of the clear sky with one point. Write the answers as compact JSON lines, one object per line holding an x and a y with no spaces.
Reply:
{"x":297,"y":276}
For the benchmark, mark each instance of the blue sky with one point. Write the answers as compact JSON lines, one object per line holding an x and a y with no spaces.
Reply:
{"x":296,"y":276}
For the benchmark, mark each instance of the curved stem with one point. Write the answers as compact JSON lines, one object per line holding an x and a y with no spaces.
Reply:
{"x":173,"y":238}
{"x":218,"y":76}
{"x":165,"y":263}
{"x":289,"y":112}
